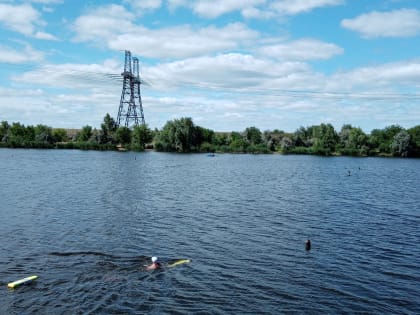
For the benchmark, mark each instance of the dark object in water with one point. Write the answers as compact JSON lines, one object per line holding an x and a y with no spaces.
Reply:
{"x":308,"y":245}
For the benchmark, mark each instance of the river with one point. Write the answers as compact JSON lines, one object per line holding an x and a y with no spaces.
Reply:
{"x":87,"y":222}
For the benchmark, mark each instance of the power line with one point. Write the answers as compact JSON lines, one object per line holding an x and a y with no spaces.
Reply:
{"x":293,"y":93}
{"x":106,"y":77}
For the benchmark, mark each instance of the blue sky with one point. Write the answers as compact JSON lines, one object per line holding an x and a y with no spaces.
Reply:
{"x":227,"y":64}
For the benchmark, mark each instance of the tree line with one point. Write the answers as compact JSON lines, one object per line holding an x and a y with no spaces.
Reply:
{"x":108,"y":137}
{"x":182,"y":135}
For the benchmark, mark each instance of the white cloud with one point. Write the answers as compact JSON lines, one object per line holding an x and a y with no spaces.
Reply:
{"x":112,"y":26}
{"x":390,"y":75}
{"x":398,"y":23}
{"x":48,"y":9}
{"x":182,"y":41}
{"x":81,"y":94}
{"x":215,"y":8}
{"x":257,"y":13}
{"x":292,"y":7}
{"x":227,"y":73}
{"x":230,"y":72}
{"x":20,"y":18}
{"x":28,"y":54}
{"x":46,"y":1}
{"x":303,"y":49}
{"x":60,"y":111}
{"x":23,"y":19}
{"x":74,"y":76}
{"x":173,"y":4}
{"x":142,"y":5}
{"x":251,"y":8}
{"x":45,"y":36}
{"x":103,"y":23}
{"x":12,"y":92}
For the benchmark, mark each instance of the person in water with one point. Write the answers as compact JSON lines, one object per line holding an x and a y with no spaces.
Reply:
{"x":308,"y":245}
{"x":155,"y":264}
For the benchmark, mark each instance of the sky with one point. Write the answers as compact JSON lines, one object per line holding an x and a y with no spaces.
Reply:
{"x":227,"y":64}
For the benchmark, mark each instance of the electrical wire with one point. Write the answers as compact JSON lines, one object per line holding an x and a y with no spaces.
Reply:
{"x":106,"y":77}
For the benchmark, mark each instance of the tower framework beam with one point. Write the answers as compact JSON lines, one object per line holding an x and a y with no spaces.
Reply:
{"x":130,"y":111}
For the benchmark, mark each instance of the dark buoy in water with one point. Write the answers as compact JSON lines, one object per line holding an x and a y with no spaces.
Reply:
{"x":308,"y":245}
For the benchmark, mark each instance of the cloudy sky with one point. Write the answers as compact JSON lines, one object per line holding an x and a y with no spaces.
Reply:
{"x":227,"y":64}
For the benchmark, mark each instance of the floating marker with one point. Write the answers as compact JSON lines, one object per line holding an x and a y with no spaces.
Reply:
{"x":14,"y":284}
{"x":179,"y":262}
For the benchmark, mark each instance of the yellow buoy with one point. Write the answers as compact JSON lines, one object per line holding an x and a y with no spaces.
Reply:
{"x":14,"y":284}
{"x":179,"y":262}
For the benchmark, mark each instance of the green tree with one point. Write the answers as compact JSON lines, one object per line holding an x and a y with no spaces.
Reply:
{"x":59,"y":135}
{"x":286,"y":144}
{"x":344,"y":136}
{"x":380,"y":140}
{"x":178,"y":135}
{"x":401,"y":144}
{"x":108,"y":128}
{"x":238,"y":145}
{"x":123,"y":135}
{"x":43,"y":134}
{"x":109,"y":123}
{"x":353,"y":141}
{"x":415,"y":140}
{"x":85,"y":134}
{"x":220,"y":139}
{"x":235,"y":136}
{"x":164,"y":139}
{"x":203,"y":140}
{"x":303,"y":137}
{"x":237,"y":142}
{"x":20,"y":136}
{"x":4,"y":128}
{"x":359,"y":140}
{"x":270,"y":140}
{"x":204,"y":135}
{"x":29,"y":134}
{"x":253,"y":135}
{"x":325,"y":139}
{"x":184,"y":134}
{"x":141,"y":135}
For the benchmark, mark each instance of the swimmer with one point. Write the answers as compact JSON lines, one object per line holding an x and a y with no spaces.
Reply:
{"x":155,"y":264}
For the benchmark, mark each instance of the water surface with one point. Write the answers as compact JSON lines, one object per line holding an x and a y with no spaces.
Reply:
{"x":87,"y":222}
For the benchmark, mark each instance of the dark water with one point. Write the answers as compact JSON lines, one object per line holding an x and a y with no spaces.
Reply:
{"x":87,"y":222}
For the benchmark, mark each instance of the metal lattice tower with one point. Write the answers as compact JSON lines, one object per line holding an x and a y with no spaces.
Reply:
{"x":131,"y":107}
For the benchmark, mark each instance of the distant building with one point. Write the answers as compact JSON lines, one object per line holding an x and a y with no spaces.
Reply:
{"x":72,"y":133}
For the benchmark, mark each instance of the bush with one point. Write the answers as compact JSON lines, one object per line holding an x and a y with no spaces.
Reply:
{"x":299,"y":150}
{"x":206,"y":147}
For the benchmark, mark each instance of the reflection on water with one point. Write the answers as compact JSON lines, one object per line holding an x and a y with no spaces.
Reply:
{"x":87,"y":223}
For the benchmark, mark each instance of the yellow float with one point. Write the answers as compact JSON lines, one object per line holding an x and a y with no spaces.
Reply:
{"x":179,"y":262}
{"x":17,"y":283}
